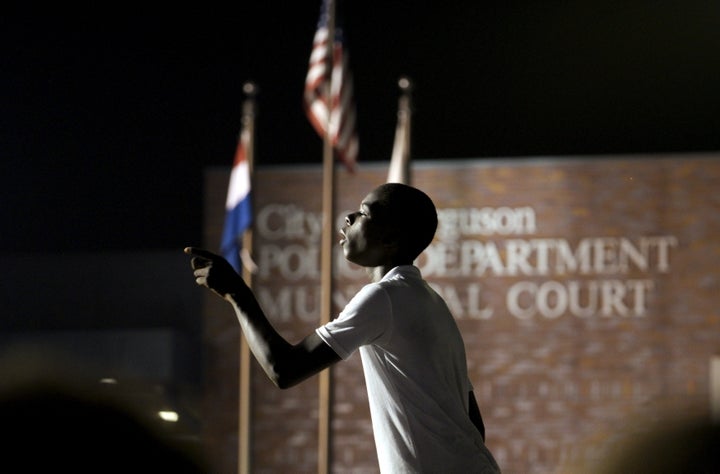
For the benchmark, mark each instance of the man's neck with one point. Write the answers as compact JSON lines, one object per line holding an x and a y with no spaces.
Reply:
{"x":377,"y":273}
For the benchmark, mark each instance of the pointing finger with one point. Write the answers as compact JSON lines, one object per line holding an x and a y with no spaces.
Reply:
{"x":199,"y":252}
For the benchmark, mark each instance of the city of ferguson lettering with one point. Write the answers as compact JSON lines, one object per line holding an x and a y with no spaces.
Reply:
{"x":595,"y":276}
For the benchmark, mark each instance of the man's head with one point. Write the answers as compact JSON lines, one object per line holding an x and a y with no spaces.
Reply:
{"x":395,"y":222}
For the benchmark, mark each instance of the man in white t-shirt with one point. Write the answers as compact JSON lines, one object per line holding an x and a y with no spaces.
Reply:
{"x":424,"y":414}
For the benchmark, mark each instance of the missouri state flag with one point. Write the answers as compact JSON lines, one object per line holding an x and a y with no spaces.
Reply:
{"x":238,"y":206}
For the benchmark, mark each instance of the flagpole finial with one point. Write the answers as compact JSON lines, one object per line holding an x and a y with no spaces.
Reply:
{"x":405,"y":84}
{"x":250,"y":88}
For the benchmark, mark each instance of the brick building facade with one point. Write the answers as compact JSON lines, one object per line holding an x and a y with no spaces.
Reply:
{"x":586,"y":291}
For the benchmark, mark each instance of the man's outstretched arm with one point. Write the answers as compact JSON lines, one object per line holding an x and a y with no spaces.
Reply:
{"x":284,"y":363}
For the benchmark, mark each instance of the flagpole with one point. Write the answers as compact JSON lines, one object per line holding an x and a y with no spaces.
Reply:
{"x":326,"y":255}
{"x":244,"y":408}
{"x":406,"y":87}
{"x":399,"y":171}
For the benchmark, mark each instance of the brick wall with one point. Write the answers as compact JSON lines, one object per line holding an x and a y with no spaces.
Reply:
{"x":586,"y":292}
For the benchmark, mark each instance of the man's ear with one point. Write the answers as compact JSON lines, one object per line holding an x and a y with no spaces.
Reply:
{"x":391,"y":245}
{"x":391,"y":242}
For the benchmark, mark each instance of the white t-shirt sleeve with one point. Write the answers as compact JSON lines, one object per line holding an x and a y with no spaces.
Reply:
{"x":364,"y":320}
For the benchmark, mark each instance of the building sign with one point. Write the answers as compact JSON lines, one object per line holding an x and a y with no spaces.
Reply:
{"x":586,"y":291}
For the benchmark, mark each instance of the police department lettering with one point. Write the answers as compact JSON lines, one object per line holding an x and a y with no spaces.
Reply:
{"x":541,"y":277}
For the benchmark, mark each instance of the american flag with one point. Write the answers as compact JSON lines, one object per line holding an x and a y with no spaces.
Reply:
{"x":341,"y":108}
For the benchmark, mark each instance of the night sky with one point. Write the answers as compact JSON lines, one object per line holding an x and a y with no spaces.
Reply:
{"x":107,"y":119}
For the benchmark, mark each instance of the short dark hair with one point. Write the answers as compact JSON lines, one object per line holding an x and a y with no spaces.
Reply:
{"x":412,"y":215}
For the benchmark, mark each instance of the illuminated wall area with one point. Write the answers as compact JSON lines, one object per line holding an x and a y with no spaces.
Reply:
{"x":586,"y":290}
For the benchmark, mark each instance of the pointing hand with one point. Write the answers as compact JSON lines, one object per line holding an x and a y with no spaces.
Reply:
{"x":214,"y":272}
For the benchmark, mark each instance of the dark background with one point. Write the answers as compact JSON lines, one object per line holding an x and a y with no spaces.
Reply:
{"x":108,"y":118}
